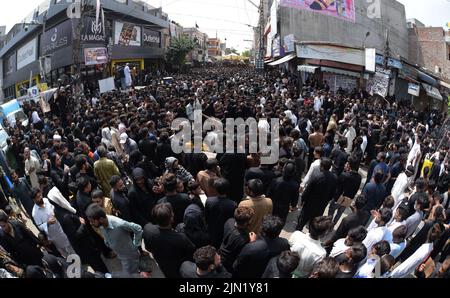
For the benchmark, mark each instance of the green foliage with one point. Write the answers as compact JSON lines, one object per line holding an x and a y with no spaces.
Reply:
{"x":246,"y":53}
{"x":179,"y":48}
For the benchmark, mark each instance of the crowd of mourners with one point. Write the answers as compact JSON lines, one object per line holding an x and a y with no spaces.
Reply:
{"x":97,"y":177}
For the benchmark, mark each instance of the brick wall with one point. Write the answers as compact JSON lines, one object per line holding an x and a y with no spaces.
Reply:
{"x":428,"y":48}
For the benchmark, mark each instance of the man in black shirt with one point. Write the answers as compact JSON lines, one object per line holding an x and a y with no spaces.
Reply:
{"x":236,"y":236}
{"x":207,"y":265}
{"x":339,"y":157}
{"x":218,"y":210}
{"x":169,"y":248}
{"x":179,"y":201}
{"x":253,"y":259}
{"x":348,"y":185}
{"x":282,"y":266}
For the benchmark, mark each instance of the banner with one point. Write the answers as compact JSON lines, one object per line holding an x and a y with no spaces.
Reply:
{"x":289,"y":41}
{"x":413,"y":89}
{"x":106,"y":85}
{"x":332,"y":53}
{"x":27,"y":53}
{"x":127,"y":34}
{"x":371,"y":59}
{"x":94,"y":56}
{"x":274,"y":18}
{"x":342,"y":9}
{"x":380,"y":82}
{"x":276,"y":47}
{"x":57,"y":38}
{"x":92,"y":32}
{"x":151,"y":38}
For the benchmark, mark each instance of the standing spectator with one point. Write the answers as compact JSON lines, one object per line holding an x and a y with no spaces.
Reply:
{"x":44,"y":217}
{"x":258,"y":202}
{"x":207,"y":177}
{"x":308,"y":246}
{"x":282,"y":266}
{"x":318,"y":194}
{"x":119,"y":198}
{"x":379,"y":233}
{"x":179,"y":201}
{"x":105,"y":169}
{"x":255,"y":256}
{"x":123,"y":237}
{"x":218,"y":210}
{"x":284,"y":192}
{"x":169,"y":248}
{"x":207,"y":264}
{"x":32,"y":167}
{"x":375,"y":192}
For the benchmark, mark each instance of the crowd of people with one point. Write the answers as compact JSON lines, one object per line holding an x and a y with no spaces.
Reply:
{"x":98,"y":178}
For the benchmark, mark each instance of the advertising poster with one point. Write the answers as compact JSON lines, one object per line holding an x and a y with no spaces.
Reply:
{"x":289,"y":43}
{"x":127,"y":34}
{"x":27,"y":54}
{"x":342,"y":9}
{"x":57,"y":38}
{"x":106,"y":85}
{"x":413,"y":89}
{"x":151,"y":38}
{"x":94,"y":56}
{"x":380,"y":82}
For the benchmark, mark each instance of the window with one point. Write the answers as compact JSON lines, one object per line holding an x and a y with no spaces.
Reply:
{"x":9,"y":92}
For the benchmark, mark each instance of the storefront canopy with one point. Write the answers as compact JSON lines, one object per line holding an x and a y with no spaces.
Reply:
{"x":284,"y":59}
{"x":341,"y":72}
{"x":307,"y":68}
{"x":432,"y":92}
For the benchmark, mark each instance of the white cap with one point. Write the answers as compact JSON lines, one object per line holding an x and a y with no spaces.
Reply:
{"x":123,"y":138}
{"x":57,"y":138}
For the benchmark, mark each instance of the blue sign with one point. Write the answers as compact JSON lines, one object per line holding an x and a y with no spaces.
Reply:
{"x":391,"y":62}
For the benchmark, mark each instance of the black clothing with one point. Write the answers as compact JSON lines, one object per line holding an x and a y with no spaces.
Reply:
{"x":233,"y":242}
{"x":272,"y":270}
{"x":179,"y":203}
{"x":233,"y":169}
{"x":23,"y":246}
{"x":217,"y":212}
{"x":284,"y":194}
{"x":253,"y":259}
{"x":356,"y":219}
{"x":83,"y":201}
{"x":169,"y":248}
{"x":189,"y":270}
{"x":339,"y":158}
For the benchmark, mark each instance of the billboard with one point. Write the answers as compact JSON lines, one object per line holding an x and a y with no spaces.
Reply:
{"x":342,"y":9}
{"x":127,"y":34}
{"x":10,"y":64}
{"x":27,"y":53}
{"x":151,"y":38}
{"x":92,"y":32}
{"x":289,"y":43}
{"x":94,"y":56}
{"x":371,"y":59}
{"x":57,"y":38}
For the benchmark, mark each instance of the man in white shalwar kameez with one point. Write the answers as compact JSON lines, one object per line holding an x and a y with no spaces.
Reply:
{"x":44,"y":216}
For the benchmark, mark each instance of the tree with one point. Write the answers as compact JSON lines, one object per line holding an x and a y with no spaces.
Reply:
{"x":179,"y":48}
{"x":246,"y":53}
{"x":234,"y":51}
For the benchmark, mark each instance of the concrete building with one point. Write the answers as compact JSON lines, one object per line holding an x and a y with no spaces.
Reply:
{"x":2,"y":32}
{"x":214,"y":49}
{"x":200,"y":53}
{"x":132,"y":33}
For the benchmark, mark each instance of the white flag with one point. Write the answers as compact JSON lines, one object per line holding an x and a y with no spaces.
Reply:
{"x":97,"y":13}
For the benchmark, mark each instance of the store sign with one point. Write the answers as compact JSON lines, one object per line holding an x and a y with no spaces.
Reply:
{"x":151,"y":38}
{"x":27,"y":54}
{"x":413,"y":89}
{"x":289,"y":43}
{"x":371,"y":59}
{"x":276,"y":47}
{"x":92,"y":32}
{"x":274,"y":18}
{"x":332,"y":53}
{"x":95,"y":56}
{"x":57,"y":38}
{"x":380,"y":82}
{"x":127,"y":34}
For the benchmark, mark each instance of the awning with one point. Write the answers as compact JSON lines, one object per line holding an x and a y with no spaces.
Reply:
{"x":268,"y":61}
{"x":426,"y":78}
{"x":284,"y":59}
{"x":432,"y":92}
{"x":307,"y":68}
{"x":341,"y":72}
{"x":444,"y":84}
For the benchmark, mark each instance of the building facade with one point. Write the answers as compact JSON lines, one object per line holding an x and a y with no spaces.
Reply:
{"x":214,"y":48}
{"x":200,"y":53}
{"x":45,"y":48}
{"x":430,"y":48}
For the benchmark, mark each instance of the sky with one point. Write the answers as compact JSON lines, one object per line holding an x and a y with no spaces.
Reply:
{"x":229,"y":18}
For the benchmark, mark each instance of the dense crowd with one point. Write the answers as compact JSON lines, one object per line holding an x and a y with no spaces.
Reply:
{"x":97,"y":177}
